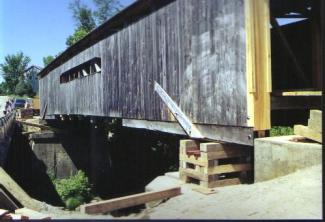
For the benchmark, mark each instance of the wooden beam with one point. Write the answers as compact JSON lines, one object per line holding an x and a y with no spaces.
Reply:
{"x":297,"y":93}
{"x":315,"y":120}
{"x":316,"y":115}
{"x":34,"y":125}
{"x":300,"y":73}
{"x":315,"y":125}
{"x":221,"y":183}
{"x":258,"y":63}
{"x":188,"y":145}
{"x":183,"y":120}
{"x":129,"y":201}
{"x":231,"y":134}
{"x":226,"y":153}
{"x":219,"y":147}
{"x":229,"y":168}
{"x":308,"y":133}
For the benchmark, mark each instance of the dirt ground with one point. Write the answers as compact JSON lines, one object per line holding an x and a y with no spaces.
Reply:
{"x":295,"y":196}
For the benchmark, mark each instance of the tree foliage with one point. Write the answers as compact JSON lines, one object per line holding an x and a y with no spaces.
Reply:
{"x":82,"y":15}
{"x":13,"y":69}
{"x":106,"y":9}
{"x":3,"y":88}
{"x":23,"y":88}
{"x":47,"y":60}
{"x":86,"y":19}
{"x":76,"y":36}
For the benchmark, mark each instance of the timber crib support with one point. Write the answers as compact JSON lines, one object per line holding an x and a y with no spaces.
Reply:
{"x":213,"y":164}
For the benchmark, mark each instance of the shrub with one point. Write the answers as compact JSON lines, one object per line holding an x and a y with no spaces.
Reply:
{"x":74,"y":190}
{"x":281,"y":131}
{"x":73,"y":202}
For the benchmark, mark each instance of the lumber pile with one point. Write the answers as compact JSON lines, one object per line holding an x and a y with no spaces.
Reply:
{"x":106,"y":206}
{"x":33,"y":125}
{"x":314,"y":129}
{"x":22,"y":214}
{"x":25,"y":113}
{"x":213,"y":164}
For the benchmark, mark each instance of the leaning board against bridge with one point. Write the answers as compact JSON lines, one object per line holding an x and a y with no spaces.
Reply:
{"x":213,"y":164}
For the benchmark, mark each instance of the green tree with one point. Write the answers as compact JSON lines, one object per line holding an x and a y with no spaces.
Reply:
{"x":76,"y":36}
{"x":23,"y":88}
{"x":13,"y":68}
{"x":47,"y":60}
{"x":106,"y":9}
{"x":82,"y":15}
{"x":3,"y":88}
{"x":86,"y":19}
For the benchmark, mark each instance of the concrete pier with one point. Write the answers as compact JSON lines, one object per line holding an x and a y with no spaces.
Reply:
{"x":279,"y":156}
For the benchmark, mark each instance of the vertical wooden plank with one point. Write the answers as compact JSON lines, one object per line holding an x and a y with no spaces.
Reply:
{"x":258,"y":64}
{"x":154,"y":76}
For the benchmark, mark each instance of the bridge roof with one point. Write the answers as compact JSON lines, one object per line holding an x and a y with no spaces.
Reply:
{"x":127,"y":16}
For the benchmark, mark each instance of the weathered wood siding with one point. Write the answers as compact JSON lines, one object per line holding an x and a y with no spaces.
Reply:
{"x":80,"y":96}
{"x":195,"y":49}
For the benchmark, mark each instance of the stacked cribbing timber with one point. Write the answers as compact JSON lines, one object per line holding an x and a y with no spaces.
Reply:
{"x":314,"y":129}
{"x":213,"y":164}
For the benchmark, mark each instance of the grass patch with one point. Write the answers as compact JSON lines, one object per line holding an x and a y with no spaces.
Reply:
{"x":281,"y":131}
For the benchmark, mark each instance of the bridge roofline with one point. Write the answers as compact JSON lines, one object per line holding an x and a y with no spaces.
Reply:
{"x":126,"y":17}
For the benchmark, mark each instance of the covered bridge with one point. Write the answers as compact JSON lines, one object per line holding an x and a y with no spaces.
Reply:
{"x":196,"y":67}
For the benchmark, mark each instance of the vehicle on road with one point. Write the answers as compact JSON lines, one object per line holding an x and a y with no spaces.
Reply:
{"x":19,"y":103}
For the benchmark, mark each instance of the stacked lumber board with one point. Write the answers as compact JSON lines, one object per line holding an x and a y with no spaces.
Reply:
{"x":213,"y":164}
{"x":22,"y":214}
{"x":314,"y":129}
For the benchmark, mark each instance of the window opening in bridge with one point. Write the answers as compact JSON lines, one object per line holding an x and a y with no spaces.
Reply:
{"x":91,"y":67}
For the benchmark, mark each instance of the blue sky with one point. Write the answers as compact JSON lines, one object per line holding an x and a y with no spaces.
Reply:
{"x":36,"y":27}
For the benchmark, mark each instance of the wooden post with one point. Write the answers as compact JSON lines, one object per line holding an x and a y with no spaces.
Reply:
{"x":258,"y":63}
